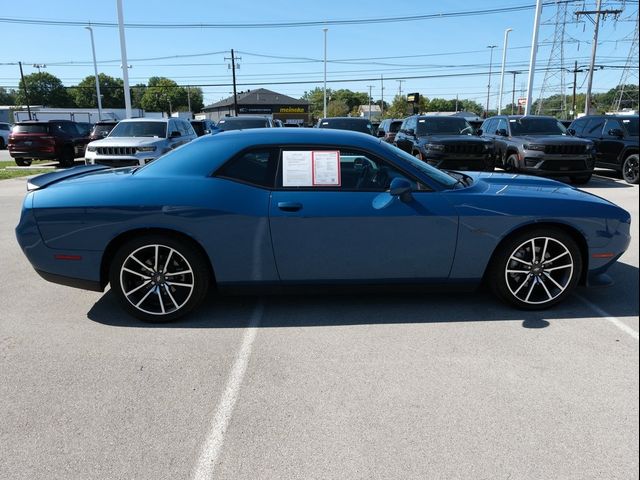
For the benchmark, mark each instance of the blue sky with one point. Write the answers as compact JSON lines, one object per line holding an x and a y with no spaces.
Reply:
{"x":440,"y":46}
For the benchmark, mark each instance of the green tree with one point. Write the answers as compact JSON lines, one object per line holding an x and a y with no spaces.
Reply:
{"x":7,"y":97}
{"x":164,"y":95}
{"x":399,"y":108}
{"x":196,"y":97}
{"x":44,"y":89}
{"x":441,"y":105}
{"x":137,"y":92}
{"x":351,"y":99}
{"x":315,"y":98}
{"x":337,"y":108}
{"x":470,"y":106}
{"x":111,"y":90}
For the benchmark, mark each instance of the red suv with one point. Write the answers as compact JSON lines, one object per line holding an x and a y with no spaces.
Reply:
{"x":55,"y":139}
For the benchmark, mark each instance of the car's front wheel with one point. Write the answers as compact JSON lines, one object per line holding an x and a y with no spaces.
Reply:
{"x":630,"y":169}
{"x":158,"y":278}
{"x":536,"y":269}
{"x":511,"y":164}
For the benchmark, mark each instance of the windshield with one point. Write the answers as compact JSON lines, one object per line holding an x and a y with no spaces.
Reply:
{"x":432,"y":172}
{"x":631,"y":126}
{"x":30,"y":128}
{"x":140,"y":129}
{"x":536,"y":126}
{"x":355,"y":124}
{"x":238,"y":123}
{"x":102,"y":129}
{"x":443,"y":126}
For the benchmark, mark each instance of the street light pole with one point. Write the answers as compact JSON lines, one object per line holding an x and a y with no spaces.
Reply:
{"x":95,"y":70}
{"x":123,"y":53}
{"x":486,"y":110}
{"x":504,"y":60}
{"x":324,"y":110}
{"x":532,"y":59}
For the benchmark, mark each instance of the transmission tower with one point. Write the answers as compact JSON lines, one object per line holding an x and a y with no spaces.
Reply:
{"x":553,"y":85}
{"x":628,"y":97}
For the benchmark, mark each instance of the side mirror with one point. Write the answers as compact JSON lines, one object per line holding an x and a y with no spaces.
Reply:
{"x":479,"y":132}
{"x":571,"y":131}
{"x":401,"y":187}
{"x":410,"y":131}
{"x":501,"y":132}
{"x":175,"y":134}
{"x":616,"y":132}
{"x":380,"y":133}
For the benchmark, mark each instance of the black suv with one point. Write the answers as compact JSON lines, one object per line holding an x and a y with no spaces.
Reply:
{"x":388,"y":128}
{"x":539,"y":145}
{"x":445,"y":142}
{"x":616,"y":141}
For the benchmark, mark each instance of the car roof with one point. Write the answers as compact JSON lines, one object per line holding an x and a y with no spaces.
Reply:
{"x":37,"y":122}
{"x":145,"y":119}
{"x":244,"y":117}
{"x":354,"y":119}
{"x":299,"y":136}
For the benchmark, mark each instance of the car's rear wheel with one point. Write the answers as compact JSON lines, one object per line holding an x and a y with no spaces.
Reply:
{"x":158,"y":278}
{"x":67,"y":158}
{"x":536,"y":269}
{"x":23,"y":162}
{"x":580,"y":179}
{"x":630,"y":169}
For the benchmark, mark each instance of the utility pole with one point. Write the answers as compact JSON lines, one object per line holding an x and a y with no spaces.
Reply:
{"x":233,"y":70}
{"x":370,"y":87}
{"x":400,"y":86}
{"x":189,"y":101}
{"x":575,"y":81}
{"x":95,"y":71}
{"x":513,"y":91}
{"x":26,"y":93}
{"x":486,"y":110}
{"x":324,"y":110}
{"x":596,"y":22}
{"x":381,"y":96}
{"x":504,"y":60}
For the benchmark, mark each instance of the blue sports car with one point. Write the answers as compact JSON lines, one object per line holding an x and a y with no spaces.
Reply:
{"x":311,"y":207}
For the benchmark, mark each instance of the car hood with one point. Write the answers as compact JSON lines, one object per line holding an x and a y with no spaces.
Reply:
{"x":452,"y":139}
{"x":126,"y":141}
{"x":554,"y":140}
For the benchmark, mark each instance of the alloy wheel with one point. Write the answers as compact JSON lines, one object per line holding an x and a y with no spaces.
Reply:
{"x":539,"y":270}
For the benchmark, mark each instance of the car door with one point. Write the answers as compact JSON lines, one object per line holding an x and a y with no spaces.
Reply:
{"x":593,"y":132}
{"x":610,"y":146}
{"x":352,"y":230}
{"x":404,"y":139}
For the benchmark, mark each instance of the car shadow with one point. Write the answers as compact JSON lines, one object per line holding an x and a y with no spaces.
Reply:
{"x":606,"y":179}
{"x":314,"y":310}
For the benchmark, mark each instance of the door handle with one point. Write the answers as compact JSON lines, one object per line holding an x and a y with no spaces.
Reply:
{"x":289,"y":206}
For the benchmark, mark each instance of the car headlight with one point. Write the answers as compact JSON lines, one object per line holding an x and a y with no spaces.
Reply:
{"x":488,"y":146}
{"x":146,"y":149}
{"x":534,"y":146}
{"x":91,"y":149}
{"x":588,"y":148}
{"x":434,"y":146}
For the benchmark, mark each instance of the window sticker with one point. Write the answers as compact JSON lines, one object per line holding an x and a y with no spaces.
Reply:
{"x":297,"y":169}
{"x":326,"y":168}
{"x":320,"y":168}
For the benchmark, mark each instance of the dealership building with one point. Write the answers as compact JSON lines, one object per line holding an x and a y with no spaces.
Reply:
{"x":262,"y":102}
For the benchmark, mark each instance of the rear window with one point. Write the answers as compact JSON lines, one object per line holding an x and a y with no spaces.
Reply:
{"x":395,"y":126}
{"x":238,"y":123}
{"x":102,"y":129}
{"x":31,"y":128}
{"x":198,"y":127}
{"x":353,"y":124}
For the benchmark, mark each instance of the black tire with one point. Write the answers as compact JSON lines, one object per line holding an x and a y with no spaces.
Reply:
{"x":155,"y":294}
{"x":511,"y":164}
{"x":23,"y":162}
{"x":521,"y":280}
{"x":630,"y":169}
{"x":580,"y":179}
{"x":67,"y":159}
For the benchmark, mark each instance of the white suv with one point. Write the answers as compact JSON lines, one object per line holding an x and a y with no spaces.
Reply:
{"x":138,"y":141}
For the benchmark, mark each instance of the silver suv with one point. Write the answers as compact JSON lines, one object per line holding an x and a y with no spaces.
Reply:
{"x":138,"y":141}
{"x":539,"y":145}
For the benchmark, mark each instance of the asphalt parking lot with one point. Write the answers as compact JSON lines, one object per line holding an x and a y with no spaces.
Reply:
{"x":437,"y":386}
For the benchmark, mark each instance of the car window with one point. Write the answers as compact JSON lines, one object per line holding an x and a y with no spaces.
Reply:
{"x":631,"y":126}
{"x":443,"y":126}
{"x":255,"y":167}
{"x":611,"y":124}
{"x":70,"y":128}
{"x":237,"y":123}
{"x":4,"y":126}
{"x":487,"y":127}
{"x":594,"y":127}
{"x":502,"y":125}
{"x":535,"y":126}
{"x":337,"y":169}
{"x":394,"y":126}
{"x":579,"y":125}
{"x":31,"y":128}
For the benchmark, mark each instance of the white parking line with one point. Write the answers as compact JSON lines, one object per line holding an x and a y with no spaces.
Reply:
{"x":213,"y":443}
{"x":621,"y":325}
